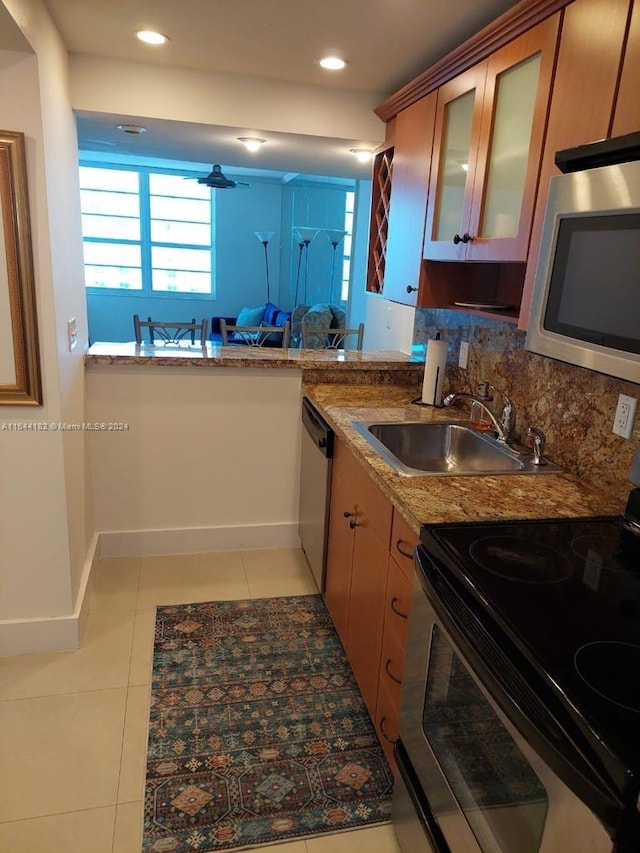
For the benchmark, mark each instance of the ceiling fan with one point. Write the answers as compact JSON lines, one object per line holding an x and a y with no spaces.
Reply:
{"x":217,"y":180}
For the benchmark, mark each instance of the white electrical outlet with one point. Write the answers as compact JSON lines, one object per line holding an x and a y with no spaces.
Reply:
{"x":72,"y":333}
{"x":625,"y":415}
{"x":463,"y":358}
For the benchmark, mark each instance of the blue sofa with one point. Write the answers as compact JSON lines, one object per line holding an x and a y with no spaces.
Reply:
{"x":267,"y":315}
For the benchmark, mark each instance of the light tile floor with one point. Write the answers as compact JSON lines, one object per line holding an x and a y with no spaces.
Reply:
{"x":73,"y":725}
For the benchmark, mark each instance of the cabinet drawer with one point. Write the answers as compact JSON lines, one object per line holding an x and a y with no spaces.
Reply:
{"x":397,"y":604}
{"x":403,"y":544}
{"x":392,"y":664}
{"x":387,"y":717}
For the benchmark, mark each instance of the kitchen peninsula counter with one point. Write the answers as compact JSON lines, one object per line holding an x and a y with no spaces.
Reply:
{"x":349,"y":365}
{"x":443,"y":498}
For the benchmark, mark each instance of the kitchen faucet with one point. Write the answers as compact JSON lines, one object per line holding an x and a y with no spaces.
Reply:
{"x":504,"y":426}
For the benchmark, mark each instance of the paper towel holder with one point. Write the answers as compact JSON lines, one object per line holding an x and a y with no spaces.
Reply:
{"x":419,"y":401}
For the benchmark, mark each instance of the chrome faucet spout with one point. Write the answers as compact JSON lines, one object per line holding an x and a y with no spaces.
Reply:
{"x":503,"y":436}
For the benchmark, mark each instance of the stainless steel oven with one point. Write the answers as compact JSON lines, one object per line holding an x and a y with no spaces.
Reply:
{"x":502,"y":747}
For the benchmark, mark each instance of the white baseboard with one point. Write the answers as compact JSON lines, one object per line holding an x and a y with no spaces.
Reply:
{"x":197,"y":540}
{"x":64,"y":633}
{"x":54,"y":633}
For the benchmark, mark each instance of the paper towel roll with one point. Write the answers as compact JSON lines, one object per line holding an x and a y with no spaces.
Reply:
{"x":434,"y":367}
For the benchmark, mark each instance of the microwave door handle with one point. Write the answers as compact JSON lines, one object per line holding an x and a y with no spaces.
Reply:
{"x":512,"y":695}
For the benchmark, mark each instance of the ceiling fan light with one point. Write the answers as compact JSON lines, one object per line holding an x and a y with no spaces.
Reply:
{"x":332,"y":63}
{"x":151,"y":37}
{"x":252,"y":143}
{"x":131,"y":128}
{"x":363,"y":155}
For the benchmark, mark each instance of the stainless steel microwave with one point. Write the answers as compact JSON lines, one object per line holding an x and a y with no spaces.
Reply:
{"x":586,"y":300}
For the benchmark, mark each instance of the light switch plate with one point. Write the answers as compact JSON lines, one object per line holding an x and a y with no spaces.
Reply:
{"x":463,"y":358}
{"x":625,"y":415}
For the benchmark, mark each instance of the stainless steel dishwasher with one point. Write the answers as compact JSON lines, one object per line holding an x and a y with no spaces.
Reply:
{"x":315,"y":485}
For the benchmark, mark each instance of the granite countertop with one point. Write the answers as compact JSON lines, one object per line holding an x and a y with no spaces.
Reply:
{"x":212,"y":355}
{"x":432,"y":498}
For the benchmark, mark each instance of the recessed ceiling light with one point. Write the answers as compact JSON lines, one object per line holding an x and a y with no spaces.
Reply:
{"x":364,"y":155}
{"x":151,"y":37}
{"x":131,"y":128}
{"x":332,"y":63}
{"x":251,"y":143}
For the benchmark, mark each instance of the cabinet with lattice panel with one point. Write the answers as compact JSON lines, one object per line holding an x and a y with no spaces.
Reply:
{"x":380,"y":199}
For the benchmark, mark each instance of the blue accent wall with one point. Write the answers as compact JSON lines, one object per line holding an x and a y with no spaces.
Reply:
{"x":240,"y":275}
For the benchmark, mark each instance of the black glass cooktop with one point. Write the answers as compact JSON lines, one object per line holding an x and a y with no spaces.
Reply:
{"x":567,"y":593}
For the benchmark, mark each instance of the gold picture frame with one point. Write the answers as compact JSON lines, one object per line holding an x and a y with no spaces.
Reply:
{"x":20,"y":379}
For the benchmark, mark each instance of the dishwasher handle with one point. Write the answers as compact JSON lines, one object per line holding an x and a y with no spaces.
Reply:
{"x":320,"y":431}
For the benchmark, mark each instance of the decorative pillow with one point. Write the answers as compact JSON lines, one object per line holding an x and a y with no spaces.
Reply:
{"x":281,"y":318}
{"x":339,"y":317}
{"x":296,"y":318}
{"x":317,"y":317}
{"x":270,"y":313}
{"x":250,"y":316}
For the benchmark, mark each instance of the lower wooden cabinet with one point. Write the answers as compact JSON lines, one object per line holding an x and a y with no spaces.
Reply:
{"x":368,"y":588}
{"x":367,"y":609}
{"x":394,"y":638}
{"x":356,"y":581}
{"x":387,"y":715}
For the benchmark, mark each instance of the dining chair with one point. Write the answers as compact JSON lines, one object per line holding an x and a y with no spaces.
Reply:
{"x":171,"y":333}
{"x":313,"y":338}
{"x":255,"y":336}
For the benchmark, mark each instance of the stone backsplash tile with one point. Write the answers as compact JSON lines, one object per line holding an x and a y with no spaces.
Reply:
{"x":574,"y":407}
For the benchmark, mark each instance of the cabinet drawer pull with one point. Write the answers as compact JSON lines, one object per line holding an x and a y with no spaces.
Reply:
{"x":389,"y":673}
{"x":395,"y":609}
{"x":383,"y":720}
{"x":408,"y":555}
{"x":411,"y":289}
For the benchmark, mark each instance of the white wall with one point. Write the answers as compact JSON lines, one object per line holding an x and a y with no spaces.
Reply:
{"x":210,"y":458}
{"x":45,"y":527}
{"x":130,"y":88}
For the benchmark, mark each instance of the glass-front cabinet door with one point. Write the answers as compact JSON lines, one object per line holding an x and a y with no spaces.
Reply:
{"x":457,"y":133}
{"x":489,"y":134}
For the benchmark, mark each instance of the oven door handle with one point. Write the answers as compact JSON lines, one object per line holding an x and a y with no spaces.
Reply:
{"x":501,"y":675}
{"x":416,"y":794}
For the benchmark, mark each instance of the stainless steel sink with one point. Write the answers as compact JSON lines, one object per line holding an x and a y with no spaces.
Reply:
{"x":416,"y":448}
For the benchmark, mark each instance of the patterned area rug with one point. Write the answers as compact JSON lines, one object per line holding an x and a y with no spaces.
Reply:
{"x":258,"y":733}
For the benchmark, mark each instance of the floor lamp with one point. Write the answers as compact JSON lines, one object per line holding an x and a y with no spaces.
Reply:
{"x":264,"y":237}
{"x":335,"y":237}
{"x":300,"y":251}
{"x":304,"y":236}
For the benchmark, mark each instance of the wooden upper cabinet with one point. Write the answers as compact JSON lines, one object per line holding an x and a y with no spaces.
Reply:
{"x":411,"y":166}
{"x":626,"y":118}
{"x":489,"y":132}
